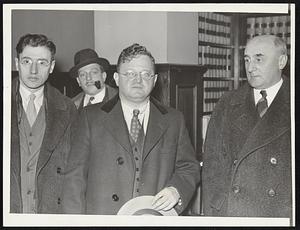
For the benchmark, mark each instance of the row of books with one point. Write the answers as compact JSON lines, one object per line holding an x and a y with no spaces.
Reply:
{"x":214,"y":28}
{"x":276,"y":25}
{"x":218,"y":61}
{"x":213,"y":90}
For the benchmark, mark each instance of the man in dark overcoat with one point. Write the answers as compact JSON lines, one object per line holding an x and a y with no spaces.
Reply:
{"x":247,"y":158}
{"x":130,"y":146}
{"x":41,"y":120}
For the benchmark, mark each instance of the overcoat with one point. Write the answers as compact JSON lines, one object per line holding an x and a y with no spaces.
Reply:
{"x":110,"y":92}
{"x":60,"y":112}
{"x":247,"y":159}
{"x":101,"y":168}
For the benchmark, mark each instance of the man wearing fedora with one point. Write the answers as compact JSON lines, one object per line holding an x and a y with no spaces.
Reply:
{"x":130,"y":146}
{"x":90,"y":73}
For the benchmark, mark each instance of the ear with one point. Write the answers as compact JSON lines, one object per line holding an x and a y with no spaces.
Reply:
{"x":116,"y":77}
{"x":282,"y":61}
{"x":104,"y":76}
{"x":17,"y":63}
{"x":155,"y":79}
{"x":52,"y":66}
{"x":78,"y":81}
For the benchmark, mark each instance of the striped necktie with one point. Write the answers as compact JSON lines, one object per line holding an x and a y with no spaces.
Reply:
{"x":31,"y":110}
{"x":262,"y":104}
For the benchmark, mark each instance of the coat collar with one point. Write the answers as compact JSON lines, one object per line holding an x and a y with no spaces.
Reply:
{"x":115,"y":123}
{"x":57,"y":122}
{"x":273,"y":124}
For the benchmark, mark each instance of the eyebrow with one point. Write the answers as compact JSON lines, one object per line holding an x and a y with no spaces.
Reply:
{"x":256,"y":55}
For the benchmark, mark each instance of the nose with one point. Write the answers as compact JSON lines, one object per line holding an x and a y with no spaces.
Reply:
{"x":138,"y":77}
{"x":33,"y":68}
{"x":250,"y":67}
{"x":88,"y":77}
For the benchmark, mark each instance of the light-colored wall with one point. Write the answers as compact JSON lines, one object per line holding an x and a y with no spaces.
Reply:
{"x":171,"y":37}
{"x":182,"y":42}
{"x":70,"y":31}
{"x":116,"y":30}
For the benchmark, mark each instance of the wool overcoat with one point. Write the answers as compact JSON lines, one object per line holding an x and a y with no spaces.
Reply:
{"x":60,"y":112}
{"x":247,"y":159}
{"x":101,"y":168}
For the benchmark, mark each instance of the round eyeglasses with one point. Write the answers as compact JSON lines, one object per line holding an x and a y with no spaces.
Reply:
{"x":132,"y":75}
{"x":40,"y":62}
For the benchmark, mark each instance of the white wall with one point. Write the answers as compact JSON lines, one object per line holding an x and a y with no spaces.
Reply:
{"x":182,"y":39}
{"x":116,"y":30}
{"x":70,"y":31}
{"x":170,"y":37}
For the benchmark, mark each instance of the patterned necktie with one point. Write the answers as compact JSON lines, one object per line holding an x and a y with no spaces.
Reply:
{"x":31,"y":110}
{"x":90,"y":100}
{"x":262,"y":104}
{"x":135,"y":126}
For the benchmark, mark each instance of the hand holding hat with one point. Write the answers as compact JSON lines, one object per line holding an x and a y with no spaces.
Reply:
{"x":166,"y":199}
{"x":142,"y":205}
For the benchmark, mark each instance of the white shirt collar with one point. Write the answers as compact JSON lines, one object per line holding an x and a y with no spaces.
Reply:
{"x":271,"y":92}
{"x":143,"y":115}
{"x":39,"y":97}
{"x":97,"y":98}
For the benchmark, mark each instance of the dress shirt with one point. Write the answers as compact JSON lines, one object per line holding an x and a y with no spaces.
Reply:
{"x":143,"y":115}
{"x":271,"y":92}
{"x":38,"y":101}
{"x":97,"y":98}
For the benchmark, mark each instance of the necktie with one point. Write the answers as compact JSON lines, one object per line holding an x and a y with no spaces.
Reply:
{"x":135,"y":126}
{"x":31,"y":110}
{"x":90,"y":100}
{"x":262,"y":104}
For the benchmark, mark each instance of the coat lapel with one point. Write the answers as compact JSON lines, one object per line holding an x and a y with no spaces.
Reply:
{"x":56,"y":125}
{"x":115,"y":123}
{"x":15,"y":161}
{"x":157,"y":125}
{"x":273,"y":124}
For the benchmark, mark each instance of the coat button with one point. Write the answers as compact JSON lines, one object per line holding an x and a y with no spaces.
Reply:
{"x":115,"y":197}
{"x":273,"y":161}
{"x":58,"y":200}
{"x":58,"y":170}
{"x":236,"y":189}
{"x":235,"y":161}
{"x":120,"y":160}
{"x":271,"y":192}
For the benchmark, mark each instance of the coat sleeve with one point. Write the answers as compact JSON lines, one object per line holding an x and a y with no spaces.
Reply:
{"x":213,"y":186}
{"x":187,"y":168}
{"x":76,"y":173}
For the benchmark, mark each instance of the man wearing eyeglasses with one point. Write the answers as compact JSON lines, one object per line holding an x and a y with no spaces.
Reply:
{"x":41,"y":118}
{"x":90,"y":73}
{"x":130,"y":146}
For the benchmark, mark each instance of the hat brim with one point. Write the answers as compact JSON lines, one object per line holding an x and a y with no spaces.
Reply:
{"x":101,"y":61}
{"x":141,"y":205}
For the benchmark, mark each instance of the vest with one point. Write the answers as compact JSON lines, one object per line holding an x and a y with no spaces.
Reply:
{"x":31,"y":139}
{"x":137,"y":150}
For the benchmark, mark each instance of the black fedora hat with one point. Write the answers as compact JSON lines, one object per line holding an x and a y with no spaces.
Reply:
{"x":85,"y":57}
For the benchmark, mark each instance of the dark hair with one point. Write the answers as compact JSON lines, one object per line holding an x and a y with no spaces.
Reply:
{"x":35,"y":40}
{"x":133,"y":51}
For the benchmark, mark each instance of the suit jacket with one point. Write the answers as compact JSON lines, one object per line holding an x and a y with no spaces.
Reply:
{"x":247,"y":160}
{"x":100,"y":174}
{"x":60,"y":112}
{"x":110,"y":92}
